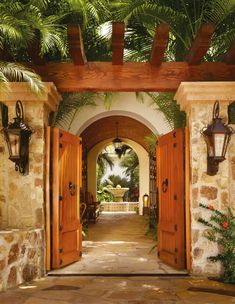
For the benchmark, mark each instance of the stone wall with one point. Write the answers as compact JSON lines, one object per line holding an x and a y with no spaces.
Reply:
{"x":197,"y":99}
{"x":209,"y":190}
{"x":21,"y":256}
{"x":232,"y":171}
{"x":22,"y":197}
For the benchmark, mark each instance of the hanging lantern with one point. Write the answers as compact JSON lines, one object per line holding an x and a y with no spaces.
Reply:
{"x":17,"y":135}
{"x":117,"y":142}
{"x":217,"y":136}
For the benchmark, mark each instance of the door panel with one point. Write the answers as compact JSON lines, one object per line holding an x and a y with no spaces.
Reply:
{"x":170,"y":181}
{"x":66,"y":227}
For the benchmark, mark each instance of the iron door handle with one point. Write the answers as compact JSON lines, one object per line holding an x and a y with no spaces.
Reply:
{"x":72,"y":188}
{"x":165,"y":185}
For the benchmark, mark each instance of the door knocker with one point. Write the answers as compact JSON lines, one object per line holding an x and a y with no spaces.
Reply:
{"x":72,"y":188}
{"x":165,"y":185}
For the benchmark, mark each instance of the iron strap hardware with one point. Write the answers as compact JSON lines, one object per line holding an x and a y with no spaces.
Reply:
{"x":165,"y":185}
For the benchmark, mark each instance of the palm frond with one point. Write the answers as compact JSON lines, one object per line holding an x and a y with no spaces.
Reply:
{"x":14,"y":72}
{"x":71,"y":104}
{"x":165,"y":103}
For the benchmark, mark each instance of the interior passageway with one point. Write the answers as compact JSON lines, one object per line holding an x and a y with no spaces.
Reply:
{"x":118,"y":243}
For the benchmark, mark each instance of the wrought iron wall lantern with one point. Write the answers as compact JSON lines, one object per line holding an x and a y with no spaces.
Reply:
{"x":117,"y":142}
{"x":17,"y":135}
{"x":217,"y":136}
{"x":145,"y":204}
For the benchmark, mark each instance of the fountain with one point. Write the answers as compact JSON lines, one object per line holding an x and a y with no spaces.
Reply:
{"x":118,"y":192}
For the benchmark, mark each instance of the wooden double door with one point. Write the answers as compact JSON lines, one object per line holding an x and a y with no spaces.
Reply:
{"x":171,"y":189}
{"x":65,"y":226}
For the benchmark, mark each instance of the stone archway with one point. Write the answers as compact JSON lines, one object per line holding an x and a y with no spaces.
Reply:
{"x":143,"y":170}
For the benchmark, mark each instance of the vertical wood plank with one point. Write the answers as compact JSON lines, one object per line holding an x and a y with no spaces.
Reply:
{"x":201,"y":44}
{"x":55,"y":199}
{"x":160,"y":43}
{"x":118,"y":42}
{"x":187,"y":199}
{"x":76,"y":47}
{"x":47,"y":199}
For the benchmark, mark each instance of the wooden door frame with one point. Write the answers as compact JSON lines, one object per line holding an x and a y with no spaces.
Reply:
{"x":48,"y":208}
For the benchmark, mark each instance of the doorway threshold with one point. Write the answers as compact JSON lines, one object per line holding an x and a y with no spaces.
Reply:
{"x":179,"y":274}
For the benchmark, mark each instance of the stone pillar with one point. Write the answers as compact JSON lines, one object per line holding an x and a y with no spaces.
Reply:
{"x":22,"y":197}
{"x":197,"y":99}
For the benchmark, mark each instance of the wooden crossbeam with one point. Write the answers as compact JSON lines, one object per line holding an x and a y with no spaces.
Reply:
{"x":159,"y":44}
{"x":76,"y":47}
{"x":230,"y":55}
{"x":201,"y":44}
{"x":118,"y":42}
{"x":131,"y":76}
{"x":34,"y":51}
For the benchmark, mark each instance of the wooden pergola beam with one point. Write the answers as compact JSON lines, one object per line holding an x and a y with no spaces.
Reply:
{"x":201,"y":44}
{"x":160,"y":43}
{"x":76,"y":47}
{"x":34,"y":51}
{"x":230,"y":55}
{"x":118,"y":32}
{"x":131,"y":76}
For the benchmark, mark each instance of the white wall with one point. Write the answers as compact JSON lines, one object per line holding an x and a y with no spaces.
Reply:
{"x":143,"y":167}
{"x":125,"y":104}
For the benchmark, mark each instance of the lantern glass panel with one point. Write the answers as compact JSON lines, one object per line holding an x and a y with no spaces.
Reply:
{"x":210,"y":145}
{"x":14,"y":140}
{"x":219,"y":140}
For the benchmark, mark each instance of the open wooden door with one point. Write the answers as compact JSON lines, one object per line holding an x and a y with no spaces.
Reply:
{"x":66,"y":182}
{"x":170,"y":180}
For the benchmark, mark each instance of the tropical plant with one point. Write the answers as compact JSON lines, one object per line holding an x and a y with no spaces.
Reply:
{"x":222,"y":232}
{"x":103,"y":161}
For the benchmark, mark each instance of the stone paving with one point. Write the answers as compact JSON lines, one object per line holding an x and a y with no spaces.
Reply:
{"x":123,"y":253}
{"x":121,"y":290}
{"x":118,"y":243}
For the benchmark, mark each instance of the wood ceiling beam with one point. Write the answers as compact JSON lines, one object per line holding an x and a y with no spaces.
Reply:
{"x":201,"y":44}
{"x":118,"y":32}
{"x":160,"y":43}
{"x":76,"y":47}
{"x":230,"y":55}
{"x":131,"y":76}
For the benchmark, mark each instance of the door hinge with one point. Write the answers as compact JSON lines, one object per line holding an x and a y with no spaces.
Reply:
{"x":175,"y":227}
{"x":61,"y":145}
{"x":61,"y":261}
{"x":176,"y":250}
{"x":60,"y":197}
{"x":174,"y":145}
{"x":174,"y":134}
{"x":61,"y":134}
{"x":60,"y":227}
{"x":61,"y":250}
{"x":175,"y":197}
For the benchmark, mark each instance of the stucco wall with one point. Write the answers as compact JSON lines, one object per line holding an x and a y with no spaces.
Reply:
{"x":125,"y":104}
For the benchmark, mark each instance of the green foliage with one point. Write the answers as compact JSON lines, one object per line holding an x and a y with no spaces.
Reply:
{"x":231,"y":113}
{"x":71,"y":104}
{"x":103,"y":195}
{"x":222,"y":231}
{"x":103,"y":161}
{"x":164,"y":102}
{"x":151,"y":141}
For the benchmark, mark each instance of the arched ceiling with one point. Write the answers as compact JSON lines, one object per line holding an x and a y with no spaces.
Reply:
{"x":105,"y":128}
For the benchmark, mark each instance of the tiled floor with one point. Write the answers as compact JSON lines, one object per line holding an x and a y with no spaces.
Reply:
{"x":134,"y":290}
{"x":117,"y":244}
